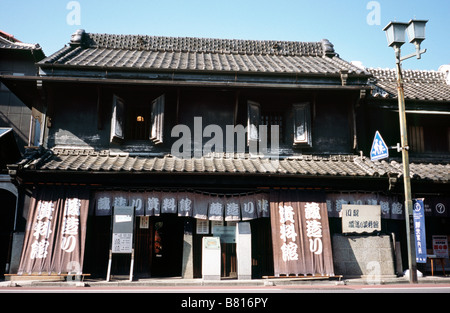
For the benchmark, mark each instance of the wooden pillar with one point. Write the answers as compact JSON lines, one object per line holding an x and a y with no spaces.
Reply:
{"x":187,"y":271}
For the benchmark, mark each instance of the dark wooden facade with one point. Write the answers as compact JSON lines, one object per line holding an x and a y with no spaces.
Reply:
{"x":110,"y":103}
{"x":16,"y":58}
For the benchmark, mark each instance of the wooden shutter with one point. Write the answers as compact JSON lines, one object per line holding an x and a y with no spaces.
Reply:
{"x":302,"y":124}
{"x":157,"y":120}
{"x":117,"y":120}
{"x":253,"y":117}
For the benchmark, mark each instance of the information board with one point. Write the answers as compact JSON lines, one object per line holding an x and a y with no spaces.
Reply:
{"x":122,"y":230}
{"x":440,"y":246}
{"x":361,"y":218}
{"x":227,"y":234}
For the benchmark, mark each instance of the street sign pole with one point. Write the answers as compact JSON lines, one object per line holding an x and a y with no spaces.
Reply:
{"x":406,"y":179}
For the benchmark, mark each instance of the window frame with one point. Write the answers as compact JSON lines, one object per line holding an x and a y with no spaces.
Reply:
{"x":120,"y":116}
{"x":302,"y":124}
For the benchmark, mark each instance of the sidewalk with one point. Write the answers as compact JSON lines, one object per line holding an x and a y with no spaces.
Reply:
{"x":179,"y":282}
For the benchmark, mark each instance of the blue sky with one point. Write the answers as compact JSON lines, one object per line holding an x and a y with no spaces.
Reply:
{"x":351,"y":25}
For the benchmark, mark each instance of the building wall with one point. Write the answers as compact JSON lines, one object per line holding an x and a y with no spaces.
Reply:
{"x":13,"y":113}
{"x":370,"y":256}
{"x":81,"y":116}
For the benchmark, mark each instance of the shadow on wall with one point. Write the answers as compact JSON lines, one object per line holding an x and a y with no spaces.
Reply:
{"x":363,"y":256}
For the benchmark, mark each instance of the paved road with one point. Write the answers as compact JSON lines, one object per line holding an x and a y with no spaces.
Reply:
{"x":288,"y":289}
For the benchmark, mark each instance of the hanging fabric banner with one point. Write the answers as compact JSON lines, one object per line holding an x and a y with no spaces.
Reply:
{"x":103,"y":203}
{"x":201,"y":206}
{"x":419,"y":230}
{"x":439,"y":206}
{"x":55,"y":232}
{"x":215,"y":209}
{"x":391,"y":208}
{"x":232,"y":209}
{"x":169,"y":202}
{"x":137,"y":200}
{"x":152,"y":207}
{"x":384,"y":202}
{"x":248,"y":207}
{"x":263,"y":205}
{"x":397,"y":209}
{"x":185,"y":204}
{"x":300,"y":234}
{"x":120,"y":198}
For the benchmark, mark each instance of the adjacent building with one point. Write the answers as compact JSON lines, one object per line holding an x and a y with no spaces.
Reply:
{"x":16,"y":59}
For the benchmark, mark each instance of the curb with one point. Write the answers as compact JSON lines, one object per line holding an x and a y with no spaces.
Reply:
{"x":225,"y":283}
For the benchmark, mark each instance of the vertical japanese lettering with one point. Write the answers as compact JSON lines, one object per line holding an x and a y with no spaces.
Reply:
{"x":288,"y":234}
{"x":70,"y":226}
{"x":314,"y":227}
{"x":42,"y":230}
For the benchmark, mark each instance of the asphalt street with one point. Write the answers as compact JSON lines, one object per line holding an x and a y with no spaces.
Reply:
{"x":285,"y":289}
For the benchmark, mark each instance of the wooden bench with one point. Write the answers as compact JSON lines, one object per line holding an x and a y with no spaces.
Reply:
{"x":44,"y":277}
{"x":304,"y":277}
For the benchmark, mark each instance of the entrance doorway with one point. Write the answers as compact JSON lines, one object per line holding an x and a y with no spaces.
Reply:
{"x":159,"y":246}
{"x":228,"y":266}
{"x":7,"y":212}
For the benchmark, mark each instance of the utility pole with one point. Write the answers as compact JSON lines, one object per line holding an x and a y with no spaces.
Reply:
{"x":395,"y":34}
{"x":406,"y":177}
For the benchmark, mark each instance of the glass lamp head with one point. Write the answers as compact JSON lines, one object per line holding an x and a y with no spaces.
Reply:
{"x":416,"y":31}
{"x":395,"y":33}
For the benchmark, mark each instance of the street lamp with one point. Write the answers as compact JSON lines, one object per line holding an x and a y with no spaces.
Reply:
{"x":395,"y":34}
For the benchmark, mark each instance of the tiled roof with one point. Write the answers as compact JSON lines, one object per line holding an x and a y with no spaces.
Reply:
{"x":137,"y":52}
{"x":9,"y":42}
{"x":332,"y":166}
{"x":418,"y":85}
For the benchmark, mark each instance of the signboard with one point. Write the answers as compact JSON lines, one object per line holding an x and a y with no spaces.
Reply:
{"x":123,"y":228}
{"x":144,"y":222}
{"x":361,"y":218}
{"x":227,"y":234}
{"x":379,"y":148}
{"x":419,"y":230}
{"x":211,"y":243}
{"x":122,"y":243}
{"x":211,"y":256}
{"x":122,"y":235}
{"x":440,"y":246}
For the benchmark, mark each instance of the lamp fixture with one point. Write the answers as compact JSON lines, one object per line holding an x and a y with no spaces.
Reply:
{"x":395,"y":35}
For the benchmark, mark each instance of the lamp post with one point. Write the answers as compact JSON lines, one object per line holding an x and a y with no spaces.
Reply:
{"x":395,"y":34}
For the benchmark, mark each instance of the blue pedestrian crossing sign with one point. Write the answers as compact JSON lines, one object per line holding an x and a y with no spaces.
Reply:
{"x":379,"y":149}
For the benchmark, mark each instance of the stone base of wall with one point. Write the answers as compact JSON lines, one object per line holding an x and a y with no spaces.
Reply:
{"x":16,"y":252}
{"x":370,"y":257}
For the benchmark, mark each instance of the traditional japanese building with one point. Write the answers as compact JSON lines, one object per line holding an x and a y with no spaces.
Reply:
{"x":16,"y":59}
{"x":202,"y":138}
{"x":427,"y":101}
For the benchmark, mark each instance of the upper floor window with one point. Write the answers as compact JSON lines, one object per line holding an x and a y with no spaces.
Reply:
{"x":137,"y":121}
{"x":277,"y":116}
{"x":271,"y":118}
{"x":302,"y":124}
{"x":428,"y":134}
{"x":266,"y":124}
{"x":415,"y":139}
